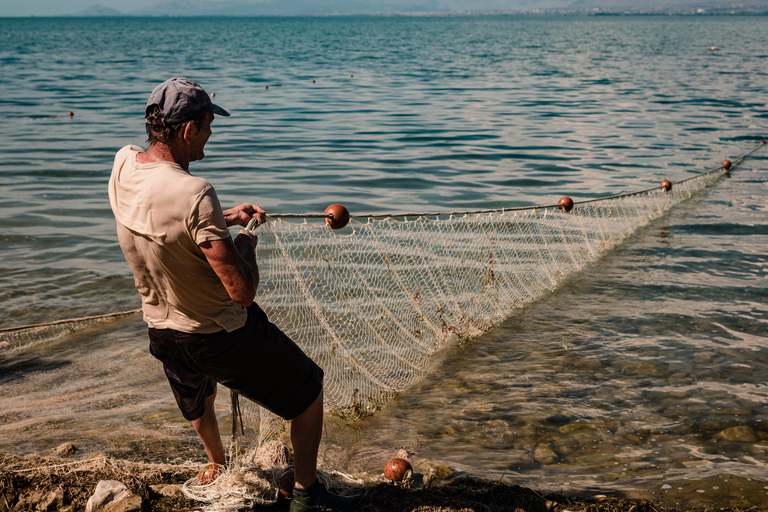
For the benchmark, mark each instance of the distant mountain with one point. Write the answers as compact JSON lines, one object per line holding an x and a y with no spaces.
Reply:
{"x":330,"y":7}
{"x":284,"y":7}
{"x":99,"y":10}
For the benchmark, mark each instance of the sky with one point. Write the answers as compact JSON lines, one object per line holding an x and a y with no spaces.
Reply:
{"x":59,"y":7}
{"x":64,"y":7}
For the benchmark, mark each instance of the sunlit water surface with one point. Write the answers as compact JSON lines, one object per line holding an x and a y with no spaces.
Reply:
{"x":641,"y":376}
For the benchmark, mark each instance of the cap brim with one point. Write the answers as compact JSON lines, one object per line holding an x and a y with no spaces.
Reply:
{"x":219,"y":111}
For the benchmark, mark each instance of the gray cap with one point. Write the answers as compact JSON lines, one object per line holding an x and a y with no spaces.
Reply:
{"x":181,"y":99}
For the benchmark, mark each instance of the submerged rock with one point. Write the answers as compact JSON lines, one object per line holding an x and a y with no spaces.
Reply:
{"x":742,"y":433}
{"x":544,"y":455}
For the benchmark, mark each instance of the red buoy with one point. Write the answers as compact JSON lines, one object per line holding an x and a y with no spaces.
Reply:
{"x":266,"y":87}
{"x":396,"y":469}
{"x":727,"y":165}
{"x":565,"y":203}
{"x":666,"y":185}
{"x":339,"y":216}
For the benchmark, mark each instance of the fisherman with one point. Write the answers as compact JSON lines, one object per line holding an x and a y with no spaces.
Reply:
{"x":197,"y":287}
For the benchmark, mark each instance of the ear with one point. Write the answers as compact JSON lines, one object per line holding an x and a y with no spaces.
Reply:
{"x":189,"y":129}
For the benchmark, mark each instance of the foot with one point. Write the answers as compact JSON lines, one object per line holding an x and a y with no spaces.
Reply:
{"x":209,"y":473}
{"x":316,"y":498}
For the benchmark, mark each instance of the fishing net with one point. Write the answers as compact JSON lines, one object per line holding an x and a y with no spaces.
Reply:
{"x":373,"y":302}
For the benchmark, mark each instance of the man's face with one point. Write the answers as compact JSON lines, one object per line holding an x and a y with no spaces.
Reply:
{"x":199,"y":136}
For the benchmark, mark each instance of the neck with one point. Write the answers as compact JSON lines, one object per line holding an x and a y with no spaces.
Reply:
{"x":159,"y":152}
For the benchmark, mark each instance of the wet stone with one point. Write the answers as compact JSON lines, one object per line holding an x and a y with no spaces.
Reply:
{"x":433,"y":470}
{"x":703,"y":357}
{"x":713,"y":424}
{"x":679,"y":378}
{"x":741,"y":433}
{"x":65,"y":449}
{"x":566,"y":446}
{"x":544,"y":455}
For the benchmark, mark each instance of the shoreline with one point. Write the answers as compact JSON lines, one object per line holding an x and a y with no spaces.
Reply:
{"x":36,"y":482}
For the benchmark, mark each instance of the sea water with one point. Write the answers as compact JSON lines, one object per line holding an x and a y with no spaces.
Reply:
{"x":642,"y":376}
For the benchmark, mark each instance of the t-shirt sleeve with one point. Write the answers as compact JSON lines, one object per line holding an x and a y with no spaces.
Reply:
{"x":207,"y":222}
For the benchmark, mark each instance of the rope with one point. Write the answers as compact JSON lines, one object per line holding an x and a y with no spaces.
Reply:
{"x":719,"y":168}
{"x":252,"y":225}
{"x":68,"y":321}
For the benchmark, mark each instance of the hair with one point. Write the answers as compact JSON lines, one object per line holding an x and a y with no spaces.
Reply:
{"x":165,"y":134}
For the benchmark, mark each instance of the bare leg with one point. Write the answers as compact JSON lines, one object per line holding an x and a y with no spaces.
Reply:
{"x":306,"y":432}
{"x":207,"y":428}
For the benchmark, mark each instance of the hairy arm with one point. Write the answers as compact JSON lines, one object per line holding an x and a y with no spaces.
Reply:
{"x":235,"y":264}
{"x":243,"y":213}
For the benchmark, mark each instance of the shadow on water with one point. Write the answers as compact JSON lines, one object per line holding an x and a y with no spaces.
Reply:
{"x":14,"y":366}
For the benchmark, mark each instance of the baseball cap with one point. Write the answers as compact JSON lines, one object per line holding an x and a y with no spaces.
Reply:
{"x":181,"y":99}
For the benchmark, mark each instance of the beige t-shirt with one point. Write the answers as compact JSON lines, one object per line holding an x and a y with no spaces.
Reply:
{"x":162,"y":214}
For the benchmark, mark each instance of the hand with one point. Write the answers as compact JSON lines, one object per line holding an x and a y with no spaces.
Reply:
{"x":240,"y":239}
{"x":242,"y":215}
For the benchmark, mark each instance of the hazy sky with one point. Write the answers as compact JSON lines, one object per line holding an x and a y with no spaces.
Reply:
{"x":56,"y":7}
{"x":59,"y":7}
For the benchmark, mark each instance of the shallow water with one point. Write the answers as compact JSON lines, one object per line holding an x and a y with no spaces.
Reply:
{"x":622,"y":380}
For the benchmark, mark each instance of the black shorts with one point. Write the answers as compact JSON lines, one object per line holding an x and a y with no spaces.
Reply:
{"x":258,"y":361}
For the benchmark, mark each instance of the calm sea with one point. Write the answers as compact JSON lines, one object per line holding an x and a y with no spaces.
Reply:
{"x":627,"y":380}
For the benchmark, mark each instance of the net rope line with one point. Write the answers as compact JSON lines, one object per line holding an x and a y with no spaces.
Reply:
{"x":396,"y":291}
{"x":95,"y":318}
{"x":373,"y":306}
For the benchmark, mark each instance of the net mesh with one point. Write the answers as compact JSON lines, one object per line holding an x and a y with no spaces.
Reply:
{"x":373,"y":302}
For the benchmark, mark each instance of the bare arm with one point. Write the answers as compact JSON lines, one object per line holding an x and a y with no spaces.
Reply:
{"x":235,"y":264}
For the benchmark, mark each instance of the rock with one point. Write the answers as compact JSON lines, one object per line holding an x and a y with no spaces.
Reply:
{"x":54,"y":500}
{"x":65,"y":449}
{"x":742,"y":433}
{"x":543,"y":454}
{"x":113,"y":496}
{"x":166,"y":489}
{"x":433,"y":470}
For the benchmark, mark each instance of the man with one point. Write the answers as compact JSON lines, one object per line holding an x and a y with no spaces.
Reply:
{"x":197,"y":287}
